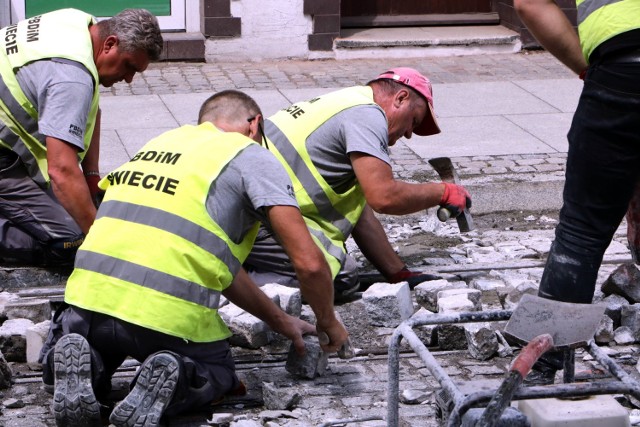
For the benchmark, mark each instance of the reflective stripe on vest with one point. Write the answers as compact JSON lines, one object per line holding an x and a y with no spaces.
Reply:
{"x":174,"y":224}
{"x":20,"y":123}
{"x":600,"y":20}
{"x":149,"y":278}
{"x":306,"y":178}
{"x":59,"y":34}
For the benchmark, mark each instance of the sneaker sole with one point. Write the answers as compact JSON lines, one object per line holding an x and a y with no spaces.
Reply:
{"x":145,"y":404}
{"x":74,"y":403}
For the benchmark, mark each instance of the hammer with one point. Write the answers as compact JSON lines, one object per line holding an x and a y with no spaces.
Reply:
{"x":346,"y":351}
{"x":444,"y":168}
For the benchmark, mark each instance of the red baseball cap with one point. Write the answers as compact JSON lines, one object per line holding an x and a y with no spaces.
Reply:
{"x":419,"y":83}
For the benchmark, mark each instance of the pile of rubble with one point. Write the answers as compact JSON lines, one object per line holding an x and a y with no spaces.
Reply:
{"x":483,"y":270}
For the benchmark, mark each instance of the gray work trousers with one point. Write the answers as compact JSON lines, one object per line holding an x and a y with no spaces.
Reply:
{"x":207,"y":370}
{"x":34,"y":227}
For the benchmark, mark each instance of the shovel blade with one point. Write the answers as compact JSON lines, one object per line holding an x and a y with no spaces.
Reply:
{"x":571,"y":325}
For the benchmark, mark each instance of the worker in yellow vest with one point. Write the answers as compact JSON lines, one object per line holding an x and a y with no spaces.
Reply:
{"x":603,"y":162}
{"x":50,"y":69}
{"x":175,"y":225}
{"x":336,"y":150}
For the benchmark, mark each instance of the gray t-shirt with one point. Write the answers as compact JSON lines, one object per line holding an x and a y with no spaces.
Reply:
{"x":61,"y":91}
{"x":363,"y":129}
{"x":254,"y":179}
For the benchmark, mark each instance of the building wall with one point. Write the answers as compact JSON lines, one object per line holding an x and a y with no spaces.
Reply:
{"x":256,"y":29}
{"x":509,"y":18}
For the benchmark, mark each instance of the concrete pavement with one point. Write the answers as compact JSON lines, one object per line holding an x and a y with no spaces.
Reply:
{"x":503,"y":117}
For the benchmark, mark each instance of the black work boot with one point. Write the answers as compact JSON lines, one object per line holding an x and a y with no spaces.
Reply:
{"x":74,"y":402}
{"x":152,"y":393}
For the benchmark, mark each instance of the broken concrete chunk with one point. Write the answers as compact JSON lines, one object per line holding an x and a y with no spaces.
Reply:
{"x":388,"y":304}
{"x":6,"y":374}
{"x":36,"y":310}
{"x":248,"y":331}
{"x":514,"y":296}
{"x":614,"y":307}
{"x":624,"y":281}
{"x":604,"y":333}
{"x":472,"y":295}
{"x":630,"y":317}
{"x":312,"y":364}
{"x":455,"y":304}
{"x":279,"y":398}
{"x":427,"y":293}
{"x":414,"y":397}
{"x":482,"y":341}
{"x":490,"y":300}
{"x":451,"y":337}
{"x":623,"y":335}
{"x":504,"y":349}
{"x":484,"y":284}
{"x":222,"y":419}
{"x":13,"y":340}
{"x":290,"y":299}
{"x":36,"y":336}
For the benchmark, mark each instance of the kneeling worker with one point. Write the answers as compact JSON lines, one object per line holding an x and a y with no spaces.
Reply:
{"x":175,"y":225}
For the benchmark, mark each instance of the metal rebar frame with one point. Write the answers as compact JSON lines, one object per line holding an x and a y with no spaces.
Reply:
{"x":625,"y":384}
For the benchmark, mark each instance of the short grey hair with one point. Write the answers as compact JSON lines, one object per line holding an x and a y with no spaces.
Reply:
{"x":230,"y":106}
{"x":136,"y":29}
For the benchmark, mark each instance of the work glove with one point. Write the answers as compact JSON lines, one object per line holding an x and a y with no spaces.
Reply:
{"x":94,"y":190}
{"x":454,"y":200}
{"x":414,"y":278}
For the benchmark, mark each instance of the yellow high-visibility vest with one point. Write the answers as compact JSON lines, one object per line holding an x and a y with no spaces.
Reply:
{"x":60,"y":34}
{"x":154,"y":256}
{"x":329,"y":216}
{"x":600,"y":20}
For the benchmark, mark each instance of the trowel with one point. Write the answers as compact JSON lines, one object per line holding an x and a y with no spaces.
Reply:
{"x":541,"y":325}
{"x":571,"y":325}
{"x":444,"y":167}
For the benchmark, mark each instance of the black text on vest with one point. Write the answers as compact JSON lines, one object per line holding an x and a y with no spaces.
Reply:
{"x":295,"y":111}
{"x":140,"y":179}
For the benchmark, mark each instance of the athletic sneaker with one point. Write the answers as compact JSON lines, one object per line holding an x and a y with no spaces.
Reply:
{"x":74,"y":403}
{"x":151,"y":395}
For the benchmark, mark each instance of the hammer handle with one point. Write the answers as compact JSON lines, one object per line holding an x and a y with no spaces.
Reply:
{"x":346,"y":350}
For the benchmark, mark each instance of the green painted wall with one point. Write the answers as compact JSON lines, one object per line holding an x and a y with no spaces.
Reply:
{"x":98,"y":7}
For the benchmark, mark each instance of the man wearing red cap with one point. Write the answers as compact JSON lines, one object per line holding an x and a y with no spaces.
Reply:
{"x":336,"y":150}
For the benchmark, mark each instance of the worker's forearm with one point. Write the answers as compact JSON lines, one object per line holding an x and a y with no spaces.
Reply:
{"x":374,"y":244}
{"x":402,"y":198}
{"x":551,"y":27}
{"x":246,"y":295}
{"x":317,"y":290}
{"x":73,"y":194}
{"x":91,"y":160}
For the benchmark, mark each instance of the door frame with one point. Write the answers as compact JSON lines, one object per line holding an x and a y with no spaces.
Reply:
{"x":177,"y":21}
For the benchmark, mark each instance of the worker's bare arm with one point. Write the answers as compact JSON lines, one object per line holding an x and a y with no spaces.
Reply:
{"x":68,"y":183}
{"x":312,"y":270}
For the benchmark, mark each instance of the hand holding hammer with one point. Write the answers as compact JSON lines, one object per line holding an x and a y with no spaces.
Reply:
{"x":346,"y":351}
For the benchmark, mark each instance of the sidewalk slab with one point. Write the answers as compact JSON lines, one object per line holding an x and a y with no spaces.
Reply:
{"x":477,"y":136}
{"x":137,"y":111}
{"x":562,"y":94}
{"x":549,"y":128}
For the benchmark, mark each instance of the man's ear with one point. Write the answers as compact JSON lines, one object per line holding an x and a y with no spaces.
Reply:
{"x":110,"y":42}
{"x":401,"y":97}
{"x":254,"y":128}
